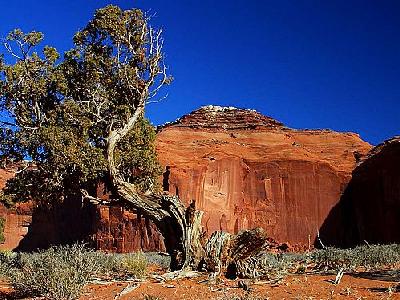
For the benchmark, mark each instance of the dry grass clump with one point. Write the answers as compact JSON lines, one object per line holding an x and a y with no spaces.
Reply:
{"x":134,"y":264}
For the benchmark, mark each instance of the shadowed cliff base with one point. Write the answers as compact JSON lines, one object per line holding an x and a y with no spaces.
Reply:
{"x":63,"y":224}
{"x":104,"y":227}
{"x":369,"y":209}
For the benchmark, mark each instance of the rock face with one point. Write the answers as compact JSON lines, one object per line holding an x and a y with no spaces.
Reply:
{"x":110,"y":228}
{"x":16,"y":220}
{"x":369,"y":209}
{"x":119,"y":230}
{"x":15,"y":226}
{"x":246,"y":170}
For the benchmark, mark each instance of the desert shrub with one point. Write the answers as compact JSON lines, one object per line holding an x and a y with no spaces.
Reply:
{"x":121,"y":265}
{"x":275,"y":266}
{"x":56,"y":273}
{"x":331,"y":259}
{"x":270,"y":265}
{"x":366,"y":256}
{"x":61,"y":272}
{"x":6,"y":260}
{"x":376,"y":256}
{"x":160,"y":259}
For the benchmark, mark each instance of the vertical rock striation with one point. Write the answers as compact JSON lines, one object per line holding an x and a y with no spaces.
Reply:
{"x":247,"y":170}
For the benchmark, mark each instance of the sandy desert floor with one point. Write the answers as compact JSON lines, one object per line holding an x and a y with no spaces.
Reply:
{"x":296,"y":287}
{"x":360,"y":286}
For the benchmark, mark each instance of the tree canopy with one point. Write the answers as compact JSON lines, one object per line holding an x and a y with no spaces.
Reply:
{"x":80,"y":118}
{"x":60,"y":113}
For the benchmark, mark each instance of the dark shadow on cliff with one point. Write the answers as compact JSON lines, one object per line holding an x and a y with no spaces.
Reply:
{"x":66,"y":223}
{"x":369,"y":209}
{"x":339,"y":228}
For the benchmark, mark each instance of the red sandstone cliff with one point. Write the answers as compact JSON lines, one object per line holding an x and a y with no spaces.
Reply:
{"x":16,"y":220}
{"x":243,"y":169}
{"x":246,"y":170}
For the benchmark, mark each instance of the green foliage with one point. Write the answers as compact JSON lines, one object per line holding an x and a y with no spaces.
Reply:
{"x":59,"y":113}
{"x":137,"y":156}
{"x":2,"y":224}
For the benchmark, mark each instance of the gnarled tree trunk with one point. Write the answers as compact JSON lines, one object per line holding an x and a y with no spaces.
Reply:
{"x":180,"y":226}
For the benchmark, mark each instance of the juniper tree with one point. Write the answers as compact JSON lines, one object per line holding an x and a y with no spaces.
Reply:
{"x":81,"y":117}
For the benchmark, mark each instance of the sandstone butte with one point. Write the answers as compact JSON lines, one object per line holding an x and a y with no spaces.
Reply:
{"x":244,"y":170}
{"x":247,"y":170}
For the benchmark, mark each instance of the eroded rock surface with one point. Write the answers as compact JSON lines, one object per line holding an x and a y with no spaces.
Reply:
{"x":119,"y":230}
{"x":16,"y":220}
{"x":246,"y":170}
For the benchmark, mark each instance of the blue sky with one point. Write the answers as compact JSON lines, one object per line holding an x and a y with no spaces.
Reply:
{"x":310,"y":64}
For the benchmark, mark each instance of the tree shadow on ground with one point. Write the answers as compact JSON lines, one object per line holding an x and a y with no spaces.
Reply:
{"x":383,"y":275}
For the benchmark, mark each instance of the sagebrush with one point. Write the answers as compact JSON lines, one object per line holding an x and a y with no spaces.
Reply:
{"x":62,"y":272}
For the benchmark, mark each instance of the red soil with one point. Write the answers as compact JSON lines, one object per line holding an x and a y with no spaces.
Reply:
{"x":293,"y":287}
